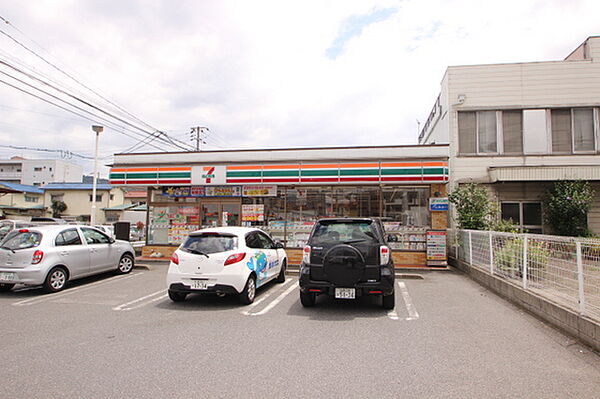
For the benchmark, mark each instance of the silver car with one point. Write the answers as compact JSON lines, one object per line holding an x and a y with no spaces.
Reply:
{"x":52,"y":255}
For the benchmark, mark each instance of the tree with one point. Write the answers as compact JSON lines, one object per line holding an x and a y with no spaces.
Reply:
{"x":566,"y":205}
{"x":58,"y":207}
{"x":474,"y":208}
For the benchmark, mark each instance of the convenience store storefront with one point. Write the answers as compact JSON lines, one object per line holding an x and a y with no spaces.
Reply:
{"x":284,"y":191}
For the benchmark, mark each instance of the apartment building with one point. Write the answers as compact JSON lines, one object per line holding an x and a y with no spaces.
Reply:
{"x":519,"y":127}
{"x":39,"y":172}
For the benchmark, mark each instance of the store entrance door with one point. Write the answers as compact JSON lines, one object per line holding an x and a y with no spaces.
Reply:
{"x":220,"y":213}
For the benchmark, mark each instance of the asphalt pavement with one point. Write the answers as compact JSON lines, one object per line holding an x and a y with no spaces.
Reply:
{"x":120,"y":336}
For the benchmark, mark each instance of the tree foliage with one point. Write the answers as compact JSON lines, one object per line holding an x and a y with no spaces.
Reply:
{"x":566,"y":205}
{"x":58,"y":207}
{"x":473,"y":206}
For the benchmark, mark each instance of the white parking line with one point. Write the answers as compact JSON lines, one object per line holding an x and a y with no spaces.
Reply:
{"x":392,"y":314}
{"x":412,"y":311}
{"x":50,"y":297}
{"x":275,"y":301}
{"x":262,"y":298}
{"x":125,"y":306}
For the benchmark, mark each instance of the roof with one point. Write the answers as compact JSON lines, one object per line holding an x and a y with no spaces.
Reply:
{"x":21,"y":188}
{"x":23,"y":208}
{"x":76,"y":186}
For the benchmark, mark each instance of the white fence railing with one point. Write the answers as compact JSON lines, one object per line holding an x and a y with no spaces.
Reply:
{"x":563,"y":269}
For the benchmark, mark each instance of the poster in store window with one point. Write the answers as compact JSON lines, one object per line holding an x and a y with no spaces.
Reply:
{"x":253,"y":213}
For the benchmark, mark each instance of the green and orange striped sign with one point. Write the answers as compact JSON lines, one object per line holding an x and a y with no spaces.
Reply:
{"x":414,"y":172}
{"x":151,"y":175}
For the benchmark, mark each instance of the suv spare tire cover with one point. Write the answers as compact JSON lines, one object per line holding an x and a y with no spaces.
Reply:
{"x":344,"y":265}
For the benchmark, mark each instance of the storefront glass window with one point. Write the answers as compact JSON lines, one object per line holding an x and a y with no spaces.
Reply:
{"x":356,"y":202}
{"x":406,"y":205}
{"x":172,"y":224}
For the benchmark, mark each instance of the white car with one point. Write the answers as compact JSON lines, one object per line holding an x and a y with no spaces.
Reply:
{"x":225,"y":260}
{"x":52,"y":255}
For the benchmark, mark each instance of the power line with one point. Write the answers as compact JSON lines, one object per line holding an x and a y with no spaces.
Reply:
{"x":71,"y":96}
{"x":166,"y":138}
{"x":73,"y":112}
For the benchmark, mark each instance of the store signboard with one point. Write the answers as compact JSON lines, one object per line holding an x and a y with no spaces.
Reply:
{"x":223,"y":191}
{"x":202,"y":191}
{"x":209,"y":175}
{"x":259,"y":191}
{"x":436,"y":248}
{"x":438,"y":204}
{"x":253,"y":213}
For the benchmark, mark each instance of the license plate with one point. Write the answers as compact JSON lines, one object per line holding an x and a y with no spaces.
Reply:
{"x":200,"y":284}
{"x":345,"y":293}
{"x":8,"y":276}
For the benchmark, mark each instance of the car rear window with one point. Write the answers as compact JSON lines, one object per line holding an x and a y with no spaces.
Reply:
{"x":22,"y":240}
{"x":210,"y":243}
{"x":343,"y":232}
{"x":5,"y":228}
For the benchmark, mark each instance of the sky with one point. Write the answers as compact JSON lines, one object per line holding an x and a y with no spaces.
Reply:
{"x":258,"y":74}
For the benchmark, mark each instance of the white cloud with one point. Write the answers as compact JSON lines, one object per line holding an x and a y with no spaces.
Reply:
{"x":257,"y":73}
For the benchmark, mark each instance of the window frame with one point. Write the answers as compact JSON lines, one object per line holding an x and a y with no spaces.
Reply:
{"x":520,"y":224}
{"x":499,"y":136}
{"x":61,"y":235}
{"x":594,"y":130}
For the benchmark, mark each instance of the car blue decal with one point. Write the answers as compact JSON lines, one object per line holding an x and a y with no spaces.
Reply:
{"x":258,"y":263}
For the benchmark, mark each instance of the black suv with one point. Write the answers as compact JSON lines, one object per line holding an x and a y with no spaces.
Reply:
{"x":347,"y":258}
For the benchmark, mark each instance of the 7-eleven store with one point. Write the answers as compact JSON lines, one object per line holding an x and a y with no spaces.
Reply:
{"x":284,"y":191}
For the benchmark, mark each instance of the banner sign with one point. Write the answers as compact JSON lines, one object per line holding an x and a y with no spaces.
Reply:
{"x":202,"y":191}
{"x":436,"y":248}
{"x":259,"y":191}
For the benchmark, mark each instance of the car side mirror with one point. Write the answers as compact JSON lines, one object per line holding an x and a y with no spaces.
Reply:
{"x":278,"y":245}
{"x":111,"y":240}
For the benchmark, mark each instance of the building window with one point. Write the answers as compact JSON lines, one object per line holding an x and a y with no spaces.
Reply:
{"x":37,"y":169}
{"x":29,"y":198}
{"x":479,"y":133}
{"x":98,"y":197}
{"x":512,"y":131}
{"x":111,"y":197}
{"x":57,"y":197}
{"x":50,"y":169}
{"x":525,"y":215}
{"x":573,"y":130}
{"x":37,"y":184}
{"x":18,"y":170}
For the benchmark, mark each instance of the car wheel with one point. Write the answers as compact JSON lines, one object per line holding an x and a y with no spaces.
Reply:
{"x":5,"y":287}
{"x":125,"y":264}
{"x":281,"y":276}
{"x":56,"y":280}
{"x":177,"y":296}
{"x":308,"y":299}
{"x":249,"y":292}
{"x":388,"y":301}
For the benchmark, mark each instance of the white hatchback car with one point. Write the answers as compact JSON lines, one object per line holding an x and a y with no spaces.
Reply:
{"x":225,"y":260}
{"x":52,"y":255}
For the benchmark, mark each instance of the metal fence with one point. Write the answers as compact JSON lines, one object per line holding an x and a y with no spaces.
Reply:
{"x":565,"y":270}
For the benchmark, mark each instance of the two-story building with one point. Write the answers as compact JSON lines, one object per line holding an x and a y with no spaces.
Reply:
{"x":39,"y":172}
{"x":518,"y":127}
{"x":19,"y":201}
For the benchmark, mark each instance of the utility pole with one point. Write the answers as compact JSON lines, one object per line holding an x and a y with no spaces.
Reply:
{"x":196,"y":135}
{"x":97,"y":129}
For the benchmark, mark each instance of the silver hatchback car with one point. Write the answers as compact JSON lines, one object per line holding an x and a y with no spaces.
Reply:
{"x":52,"y":255}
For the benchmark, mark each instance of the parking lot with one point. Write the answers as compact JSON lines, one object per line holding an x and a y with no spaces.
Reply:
{"x":120,"y":336}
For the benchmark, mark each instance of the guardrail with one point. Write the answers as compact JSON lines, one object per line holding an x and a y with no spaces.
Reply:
{"x":565,"y":270}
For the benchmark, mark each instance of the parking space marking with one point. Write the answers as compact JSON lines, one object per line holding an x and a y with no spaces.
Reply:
{"x":412,"y":311}
{"x":87,"y":287}
{"x":262,"y":299}
{"x":126,"y":306}
{"x":275,"y":301}
{"x":392,"y":314}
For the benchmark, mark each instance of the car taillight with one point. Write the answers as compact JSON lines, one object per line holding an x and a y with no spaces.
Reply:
{"x":235,"y":258}
{"x":306,"y":254}
{"x":384,"y":255}
{"x":23,"y":231}
{"x":37,"y":257}
{"x":175,"y":258}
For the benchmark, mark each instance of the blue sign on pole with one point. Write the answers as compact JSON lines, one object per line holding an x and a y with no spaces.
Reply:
{"x":438,"y":204}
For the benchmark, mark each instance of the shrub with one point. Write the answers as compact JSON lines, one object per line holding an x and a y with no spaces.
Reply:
{"x":58,"y":207}
{"x":508,"y":259}
{"x":566,"y":205}
{"x":473,"y":206}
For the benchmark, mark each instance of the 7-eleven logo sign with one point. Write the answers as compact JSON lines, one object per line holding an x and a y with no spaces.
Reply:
{"x":208,"y":173}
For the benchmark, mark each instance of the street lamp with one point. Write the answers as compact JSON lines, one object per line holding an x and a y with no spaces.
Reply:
{"x":97,"y":129}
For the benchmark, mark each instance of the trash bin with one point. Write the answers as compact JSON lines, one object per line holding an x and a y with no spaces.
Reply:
{"x":122,"y":230}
